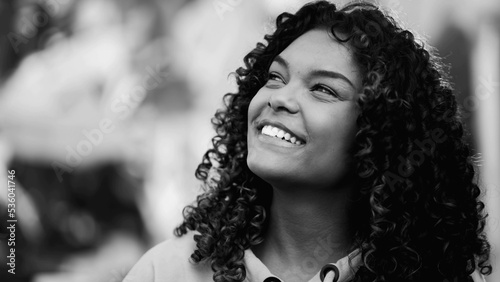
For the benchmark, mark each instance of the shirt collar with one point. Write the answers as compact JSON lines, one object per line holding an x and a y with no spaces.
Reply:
{"x":346,"y":266}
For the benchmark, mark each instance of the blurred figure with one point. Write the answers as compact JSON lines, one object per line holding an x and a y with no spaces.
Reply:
{"x":74,"y":128}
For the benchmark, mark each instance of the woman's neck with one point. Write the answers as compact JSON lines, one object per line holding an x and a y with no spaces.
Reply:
{"x":306,"y":230}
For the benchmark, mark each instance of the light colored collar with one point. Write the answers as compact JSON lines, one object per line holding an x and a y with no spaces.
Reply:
{"x":346,"y":266}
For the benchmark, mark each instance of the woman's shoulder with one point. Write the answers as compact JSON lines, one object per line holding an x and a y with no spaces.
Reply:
{"x":169,"y":261}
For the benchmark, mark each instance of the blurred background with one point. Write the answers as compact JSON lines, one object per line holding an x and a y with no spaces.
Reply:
{"x":105,"y":110}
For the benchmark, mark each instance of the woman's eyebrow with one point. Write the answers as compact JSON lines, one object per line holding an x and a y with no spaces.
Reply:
{"x":332,"y":74}
{"x":278,"y":59}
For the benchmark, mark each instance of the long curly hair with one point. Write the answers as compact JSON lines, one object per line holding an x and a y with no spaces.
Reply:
{"x":419,"y":215}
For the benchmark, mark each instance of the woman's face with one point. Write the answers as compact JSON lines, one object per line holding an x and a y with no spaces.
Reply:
{"x":302,"y":123}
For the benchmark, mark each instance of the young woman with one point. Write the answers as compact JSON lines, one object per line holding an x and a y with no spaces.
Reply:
{"x":340,"y":158}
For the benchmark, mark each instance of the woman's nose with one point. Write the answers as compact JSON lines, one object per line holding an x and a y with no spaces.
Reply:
{"x":284,"y":99}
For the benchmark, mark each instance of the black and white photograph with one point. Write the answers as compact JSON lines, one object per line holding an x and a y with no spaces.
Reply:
{"x":249,"y":141}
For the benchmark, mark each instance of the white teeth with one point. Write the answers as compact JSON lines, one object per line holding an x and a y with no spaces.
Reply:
{"x":278,"y":133}
{"x":281,"y":133}
{"x":266,"y":130}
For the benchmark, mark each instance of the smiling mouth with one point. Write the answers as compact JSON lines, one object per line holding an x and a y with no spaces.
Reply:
{"x":279,"y":133}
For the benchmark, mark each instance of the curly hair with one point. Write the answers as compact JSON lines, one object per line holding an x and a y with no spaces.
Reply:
{"x":419,"y":217}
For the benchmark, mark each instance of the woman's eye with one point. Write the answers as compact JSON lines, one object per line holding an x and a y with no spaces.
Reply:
{"x":274,"y":78}
{"x":324,"y":89}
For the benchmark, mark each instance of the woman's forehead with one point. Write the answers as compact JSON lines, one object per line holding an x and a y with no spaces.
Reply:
{"x":318,"y":49}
